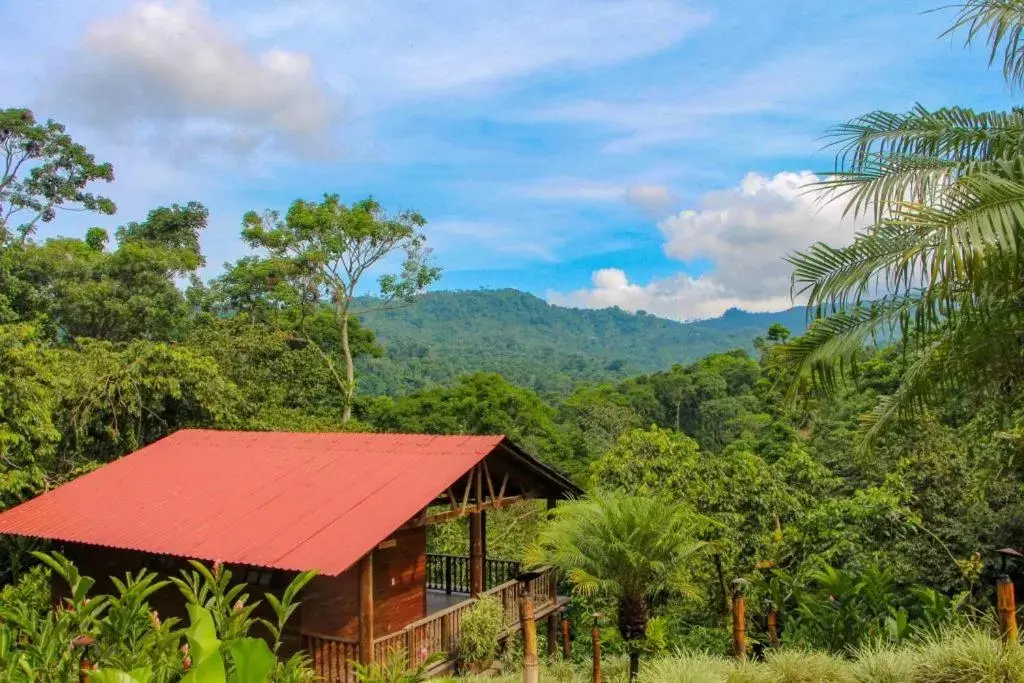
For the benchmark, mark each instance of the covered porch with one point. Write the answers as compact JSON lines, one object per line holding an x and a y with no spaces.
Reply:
{"x":448,"y":599}
{"x":446,"y":587}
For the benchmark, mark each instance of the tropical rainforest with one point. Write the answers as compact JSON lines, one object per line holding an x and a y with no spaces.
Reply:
{"x":854,"y":464}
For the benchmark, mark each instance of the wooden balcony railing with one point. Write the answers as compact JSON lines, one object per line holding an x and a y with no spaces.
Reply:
{"x":332,"y":657}
{"x":438,"y":632}
{"x":450,"y":573}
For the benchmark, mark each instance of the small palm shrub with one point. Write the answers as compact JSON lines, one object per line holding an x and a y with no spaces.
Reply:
{"x":478,"y":639}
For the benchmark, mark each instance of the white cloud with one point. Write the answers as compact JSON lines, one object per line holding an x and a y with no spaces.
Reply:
{"x":164,"y":70}
{"x":744,"y":232}
{"x":404,"y":47}
{"x":680,"y":297}
{"x":654,"y":200}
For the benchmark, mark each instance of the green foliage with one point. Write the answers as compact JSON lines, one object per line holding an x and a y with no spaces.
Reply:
{"x":127,"y":640}
{"x":478,"y":637}
{"x":395,"y":669}
{"x":44,"y":170}
{"x":838,"y":610}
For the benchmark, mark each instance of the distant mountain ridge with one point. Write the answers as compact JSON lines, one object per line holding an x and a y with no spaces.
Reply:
{"x":539,"y":345}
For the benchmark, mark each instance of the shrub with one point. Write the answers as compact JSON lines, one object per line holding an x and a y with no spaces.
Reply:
{"x":480,"y":627}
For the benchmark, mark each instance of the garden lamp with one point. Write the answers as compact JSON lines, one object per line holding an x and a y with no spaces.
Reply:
{"x":1007,"y":554}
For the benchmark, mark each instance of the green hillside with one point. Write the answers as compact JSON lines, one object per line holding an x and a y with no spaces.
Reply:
{"x":532,"y":343}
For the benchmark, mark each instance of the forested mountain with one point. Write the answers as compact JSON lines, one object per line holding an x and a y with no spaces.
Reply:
{"x":535,"y":344}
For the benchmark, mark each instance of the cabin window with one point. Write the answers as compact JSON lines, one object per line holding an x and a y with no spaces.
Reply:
{"x":163,"y":563}
{"x":259,"y":577}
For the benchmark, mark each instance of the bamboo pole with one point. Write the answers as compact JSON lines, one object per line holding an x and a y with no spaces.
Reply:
{"x":595,"y":638}
{"x":566,"y":643}
{"x":739,"y":623}
{"x":1006,"y":608}
{"x":773,"y":627}
{"x":531,"y":671}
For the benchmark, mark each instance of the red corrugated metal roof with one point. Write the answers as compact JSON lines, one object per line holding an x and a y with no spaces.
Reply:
{"x":271,"y":499}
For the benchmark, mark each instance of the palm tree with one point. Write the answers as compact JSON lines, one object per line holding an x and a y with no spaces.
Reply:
{"x":939,"y":264}
{"x":630,"y":550}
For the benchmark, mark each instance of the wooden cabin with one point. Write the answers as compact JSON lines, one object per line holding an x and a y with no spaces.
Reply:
{"x":353,"y":507}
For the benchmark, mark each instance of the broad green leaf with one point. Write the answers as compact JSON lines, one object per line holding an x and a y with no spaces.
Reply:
{"x":201,"y":634}
{"x":209,"y":670}
{"x":252,"y":658}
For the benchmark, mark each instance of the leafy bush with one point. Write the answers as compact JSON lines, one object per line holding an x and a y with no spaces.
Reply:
{"x":127,"y":641}
{"x":395,"y":669}
{"x":478,"y":639}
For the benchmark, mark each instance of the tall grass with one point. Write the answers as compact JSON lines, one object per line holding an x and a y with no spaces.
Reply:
{"x":964,"y":654}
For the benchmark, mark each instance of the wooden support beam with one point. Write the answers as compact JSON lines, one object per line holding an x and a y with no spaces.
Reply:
{"x":469,"y":487}
{"x":479,"y":488}
{"x":552,"y":636}
{"x":476,"y":554}
{"x":447,"y":516}
{"x":490,"y":482}
{"x":366,"y":609}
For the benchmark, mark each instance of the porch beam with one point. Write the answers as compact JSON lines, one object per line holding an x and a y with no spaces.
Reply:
{"x":449,"y":515}
{"x":366,"y":609}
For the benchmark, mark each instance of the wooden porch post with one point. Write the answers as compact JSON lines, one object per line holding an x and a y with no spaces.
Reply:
{"x":476,"y":537}
{"x":476,"y":554}
{"x":552,"y":636}
{"x":366,"y":609}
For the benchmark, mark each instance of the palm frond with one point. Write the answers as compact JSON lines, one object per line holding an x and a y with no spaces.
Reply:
{"x":1000,"y":23}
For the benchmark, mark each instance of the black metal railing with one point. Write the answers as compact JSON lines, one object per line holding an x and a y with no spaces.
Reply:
{"x":450,"y":573}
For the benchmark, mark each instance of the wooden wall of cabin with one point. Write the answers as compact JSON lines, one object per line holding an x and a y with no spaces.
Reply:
{"x":330,"y":604}
{"x":101,"y":563}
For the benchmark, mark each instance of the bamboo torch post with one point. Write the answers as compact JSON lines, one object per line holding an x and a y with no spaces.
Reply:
{"x":739,"y":620}
{"x":595,"y":637}
{"x":773,"y":627}
{"x":1006,"y":601}
{"x":1006,"y":607}
{"x":566,"y":643}
{"x":531,"y":671}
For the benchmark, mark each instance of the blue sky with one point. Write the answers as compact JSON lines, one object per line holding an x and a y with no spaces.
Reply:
{"x":649,"y":154}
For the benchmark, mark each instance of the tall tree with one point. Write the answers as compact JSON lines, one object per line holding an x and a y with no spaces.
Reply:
{"x":43,"y":170}
{"x":940,"y":263}
{"x":633,"y":551}
{"x":328,"y":248}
